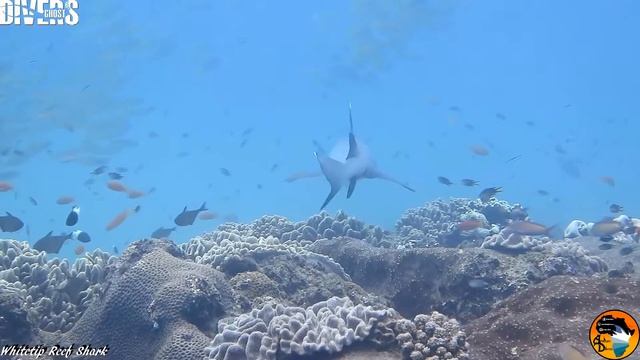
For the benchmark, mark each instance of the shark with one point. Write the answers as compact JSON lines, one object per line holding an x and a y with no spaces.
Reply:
{"x":347,"y":164}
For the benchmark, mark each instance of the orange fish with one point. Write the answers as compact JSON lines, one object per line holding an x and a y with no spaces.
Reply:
{"x":5,"y":186}
{"x":121,"y":217}
{"x":469,"y":225}
{"x":609,"y":180}
{"x":64,"y":200}
{"x":134,"y":194}
{"x":207,"y":215}
{"x":479,"y":150}
{"x":79,"y":250}
{"x":116,"y":186}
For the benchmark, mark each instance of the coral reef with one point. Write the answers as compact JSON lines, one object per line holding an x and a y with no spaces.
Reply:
{"x":531,"y":324}
{"x":157,"y":306}
{"x":15,"y":325}
{"x":446,"y":280}
{"x":54,"y":293}
{"x":158,"y":300}
{"x":319,"y":226}
{"x":431,"y":338}
{"x":564,"y":257}
{"x":329,"y":326}
{"x":286,"y":271}
{"x":576,"y":228}
{"x":569,"y":258}
{"x":328,"y":287}
{"x":511,"y":242}
{"x":437,"y":222}
{"x":325,"y":327}
{"x":628,"y":229}
{"x":618,"y":265}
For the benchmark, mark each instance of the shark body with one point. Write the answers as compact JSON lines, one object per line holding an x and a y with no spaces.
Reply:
{"x":358,"y":164}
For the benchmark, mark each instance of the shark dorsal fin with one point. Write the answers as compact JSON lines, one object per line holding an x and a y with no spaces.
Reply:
{"x":353,"y":144}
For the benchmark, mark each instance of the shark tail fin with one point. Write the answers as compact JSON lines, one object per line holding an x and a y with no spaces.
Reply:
{"x":203,"y":207}
{"x":333,"y":171}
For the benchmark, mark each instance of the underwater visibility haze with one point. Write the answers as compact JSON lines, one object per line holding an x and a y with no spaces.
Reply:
{"x":320,"y":180}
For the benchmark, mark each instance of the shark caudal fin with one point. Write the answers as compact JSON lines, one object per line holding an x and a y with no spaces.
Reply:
{"x":333,"y":171}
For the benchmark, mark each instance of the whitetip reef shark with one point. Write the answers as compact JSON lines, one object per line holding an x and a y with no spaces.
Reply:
{"x":342,"y":167}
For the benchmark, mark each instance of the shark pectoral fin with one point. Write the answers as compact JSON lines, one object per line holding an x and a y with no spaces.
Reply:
{"x":332,"y":193}
{"x":302,"y":175}
{"x":334,"y":172}
{"x":377,"y":174}
{"x":352,"y":186}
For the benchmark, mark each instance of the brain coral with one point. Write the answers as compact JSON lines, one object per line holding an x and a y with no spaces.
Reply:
{"x":156,"y":306}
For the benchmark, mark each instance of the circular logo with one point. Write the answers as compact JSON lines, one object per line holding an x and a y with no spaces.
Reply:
{"x":614,"y":334}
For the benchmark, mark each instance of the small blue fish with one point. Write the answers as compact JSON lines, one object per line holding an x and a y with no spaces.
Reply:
{"x":187,"y":217}
{"x":10,"y":223}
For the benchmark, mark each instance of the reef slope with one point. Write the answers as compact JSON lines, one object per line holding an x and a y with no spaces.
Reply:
{"x":533,"y":323}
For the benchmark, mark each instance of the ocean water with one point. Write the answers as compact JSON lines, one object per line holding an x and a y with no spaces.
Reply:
{"x":425,"y":80}
{"x":175,"y":91}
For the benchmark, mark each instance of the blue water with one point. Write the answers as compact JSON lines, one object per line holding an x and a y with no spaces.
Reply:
{"x":418,"y":75}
